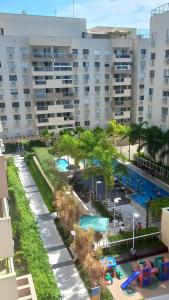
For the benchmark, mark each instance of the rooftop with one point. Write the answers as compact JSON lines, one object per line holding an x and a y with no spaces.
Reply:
{"x":160,"y":10}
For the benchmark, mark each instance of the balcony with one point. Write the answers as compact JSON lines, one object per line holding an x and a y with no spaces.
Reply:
{"x":25,"y":287}
{"x":62,"y":57}
{"x":166,"y":80}
{"x":166,"y":61}
{"x":165,"y":100}
{"x":163,"y":118}
{"x":41,"y":56}
{"x":43,"y":120}
{"x":42,"y":69}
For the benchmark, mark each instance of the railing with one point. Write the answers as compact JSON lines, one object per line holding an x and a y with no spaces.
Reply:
{"x":136,"y":237}
{"x":160,"y":10}
{"x":151,"y":166}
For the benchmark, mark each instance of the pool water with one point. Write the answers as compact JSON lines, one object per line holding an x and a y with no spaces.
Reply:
{"x":62,"y":164}
{"x":145,"y":189}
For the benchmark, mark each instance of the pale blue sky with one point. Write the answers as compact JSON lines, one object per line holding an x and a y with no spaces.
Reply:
{"x":132,"y":13}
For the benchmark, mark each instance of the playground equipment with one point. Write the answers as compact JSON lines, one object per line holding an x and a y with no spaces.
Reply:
{"x":129,"y":280}
{"x":145,"y":270}
{"x":109,"y":264}
{"x":163,"y":266}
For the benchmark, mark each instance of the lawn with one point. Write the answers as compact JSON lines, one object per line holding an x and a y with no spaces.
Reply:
{"x":41,"y":184}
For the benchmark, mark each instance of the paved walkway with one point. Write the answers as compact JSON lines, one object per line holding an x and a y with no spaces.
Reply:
{"x":65,"y":272}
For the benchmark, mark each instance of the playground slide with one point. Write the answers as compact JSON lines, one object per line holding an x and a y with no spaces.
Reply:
{"x":132,"y":277}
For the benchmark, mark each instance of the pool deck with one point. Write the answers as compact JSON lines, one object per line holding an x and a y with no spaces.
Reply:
{"x":160,"y":292}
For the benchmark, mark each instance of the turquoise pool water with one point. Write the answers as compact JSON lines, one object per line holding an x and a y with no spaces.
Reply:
{"x":62,"y":164}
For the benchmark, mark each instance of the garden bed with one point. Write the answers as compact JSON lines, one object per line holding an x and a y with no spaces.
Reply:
{"x":28,"y":237}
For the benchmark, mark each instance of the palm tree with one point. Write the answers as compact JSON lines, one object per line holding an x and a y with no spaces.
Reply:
{"x":137,"y":133}
{"x":46,"y":136}
{"x":115,"y":130}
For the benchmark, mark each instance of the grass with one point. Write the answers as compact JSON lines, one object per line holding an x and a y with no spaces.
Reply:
{"x":41,"y":183}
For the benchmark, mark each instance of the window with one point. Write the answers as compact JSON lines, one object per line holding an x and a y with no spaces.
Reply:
{"x":166,"y":53}
{"x":14,"y":91}
{"x":15,"y":104}
{"x":141,"y":97}
{"x":97,"y":64}
{"x":87,"y":123}
{"x":75,"y":64}
{"x":142,"y":65}
{"x":153,"y":39}
{"x":16,"y":117}
{"x":86,"y":88}
{"x":164,"y":110}
{"x":27,"y":103}
{"x":97,"y":88}
{"x":76,"y":101}
{"x":143,"y":51}
{"x":106,"y":88}
{"x":166,"y":93}
{"x":10,"y":50}
{"x":75,"y":51}
{"x":106,"y":99}
{"x":1,"y":78}
{"x":106,"y":76}
{"x":141,"y":86}
{"x":86,"y":51}
{"x":140,"y":119}
{"x":107,"y":65}
{"x":152,"y":55}
{"x":26,"y":91}
{"x":167,"y":35}
{"x":1,"y":31}
{"x":28,"y":117}
{"x":150,"y":91}
{"x":3,"y":118}
{"x":85,"y":64}
{"x":141,"y":108}
{"x":2,"y":105}
{"x":166,"y":73}
{"x":12,"y":78}
{"x":152,"y":74}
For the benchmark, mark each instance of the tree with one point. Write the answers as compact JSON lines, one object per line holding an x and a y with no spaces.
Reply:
{"x":23,"y":143}
{"x":106,"y":154}
{"x":83,"y":242}
{"x":137,"y":133}
{"x":46,"y":136}
{"x":115,"y":130}
{"x":67,"y":209}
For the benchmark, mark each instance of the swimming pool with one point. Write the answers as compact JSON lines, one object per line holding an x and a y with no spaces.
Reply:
{"x":62,"y":164}
{"x":144,"y":188}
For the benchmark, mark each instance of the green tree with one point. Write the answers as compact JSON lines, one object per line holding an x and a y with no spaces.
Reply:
{"x":137,"y":133}
{"x":46,"y":136}
{"x":106,"y":154}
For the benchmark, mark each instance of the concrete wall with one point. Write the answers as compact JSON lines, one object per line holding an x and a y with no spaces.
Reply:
{"x":8,"y":287}
{"x":165,"y":226}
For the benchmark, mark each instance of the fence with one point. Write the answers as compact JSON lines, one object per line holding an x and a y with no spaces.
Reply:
{"x":114,"y":243}
{"x":152,"y":167}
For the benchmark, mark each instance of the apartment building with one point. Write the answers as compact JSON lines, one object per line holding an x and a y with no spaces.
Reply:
{"x":55,"y":74}
{"x":11,"y":287}
{"x":157,"y":104}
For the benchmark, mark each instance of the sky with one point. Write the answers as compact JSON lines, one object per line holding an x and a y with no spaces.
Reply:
{"x":129,"y":13}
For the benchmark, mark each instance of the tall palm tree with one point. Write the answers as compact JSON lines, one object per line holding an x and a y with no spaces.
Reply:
{"x":137,"y":133}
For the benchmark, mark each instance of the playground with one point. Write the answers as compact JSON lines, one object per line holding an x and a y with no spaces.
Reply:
{"x":144,"y":279}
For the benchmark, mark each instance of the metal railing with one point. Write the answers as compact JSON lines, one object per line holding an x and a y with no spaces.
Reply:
{"x":114,"y":243}
{"x":160,"y":10}
{"x":152,"y":167}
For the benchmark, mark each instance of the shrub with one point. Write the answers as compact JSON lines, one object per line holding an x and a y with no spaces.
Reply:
{"x":47,"y":163}
{"x":157,"y":205}
{"x":30,"y":241}
{"x":128,"y":234}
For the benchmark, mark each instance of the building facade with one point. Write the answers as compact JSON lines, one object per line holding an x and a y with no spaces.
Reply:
{"x":55,"y":74}
{"x":157,"y":104}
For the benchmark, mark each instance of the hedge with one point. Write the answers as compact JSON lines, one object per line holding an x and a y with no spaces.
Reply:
{"x":157,"y":205}
{"x":30,"y":241}
{"x":129,"y":234}
{"x":47,"y":163}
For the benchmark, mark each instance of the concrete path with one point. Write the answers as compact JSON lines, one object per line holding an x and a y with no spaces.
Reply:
{"x":65,"y":272}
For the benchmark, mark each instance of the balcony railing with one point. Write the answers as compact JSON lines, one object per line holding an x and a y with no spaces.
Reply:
{"x":43,"y":69}
{"x":43,"y":120}
{"x":123,"y":56}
